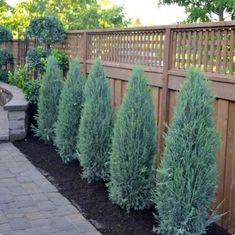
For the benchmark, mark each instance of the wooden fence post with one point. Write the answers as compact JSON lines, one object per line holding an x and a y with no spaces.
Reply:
{"x":85,"y":44}
{"x":165,"y":96}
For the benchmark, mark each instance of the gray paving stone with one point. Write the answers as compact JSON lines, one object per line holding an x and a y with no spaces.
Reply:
{"x":5,"y":227}
{"x":38,"y":197}
{"x":19,"y":224}
{"x":30,"y":204}
{"x":6,"y":198}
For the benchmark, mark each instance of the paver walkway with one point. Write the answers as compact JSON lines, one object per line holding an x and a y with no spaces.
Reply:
{"x":4,"y":129}
{"x":30,"y":204}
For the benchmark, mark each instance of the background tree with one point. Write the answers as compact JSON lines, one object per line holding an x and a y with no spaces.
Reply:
{"x":74,"y":14}
{"x":133,"y":147}
{"x":205,"y":10}
{"x":46,"y":29}
{"x":70,"y":107}
{"x":186,"y":179}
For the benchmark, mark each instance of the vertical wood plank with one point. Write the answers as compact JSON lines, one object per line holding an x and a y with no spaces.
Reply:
{"x":112,"y":90}
{"x":165,"y":96}
{"x":230,"y":152}
{"x":222,"y":125}
{"x":118,"y":92}
{"x":172,"y":103}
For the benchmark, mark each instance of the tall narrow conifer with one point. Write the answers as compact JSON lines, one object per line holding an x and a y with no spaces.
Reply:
{"x":186,"y":179}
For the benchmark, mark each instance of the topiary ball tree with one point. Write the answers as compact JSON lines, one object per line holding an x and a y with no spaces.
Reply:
{"x":46,"y":29}
{"x":186,"y":179}
{"x":5,"y":34}
{"x":70,"y":107}
{"x":94,"y":138}
{"x":49,"y":95}
{"x":133,"y":147}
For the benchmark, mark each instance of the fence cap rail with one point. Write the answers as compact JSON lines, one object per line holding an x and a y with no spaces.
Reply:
{"x":211,"y":25}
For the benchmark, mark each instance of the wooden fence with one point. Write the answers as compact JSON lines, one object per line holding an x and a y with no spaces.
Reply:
{"x":165,"y":53}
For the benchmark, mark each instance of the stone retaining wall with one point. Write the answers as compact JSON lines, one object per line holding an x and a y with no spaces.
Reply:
{"x":16,"y":106}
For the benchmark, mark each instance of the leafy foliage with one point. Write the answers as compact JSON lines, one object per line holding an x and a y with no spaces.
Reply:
{"x":186,"y":179}
{"x":31,"y":90}
{"x":3,"y":76}
{"x":74,"y":14}
{"x":36,"y":57}
{"x":61,"y":58}
{"x":133,"y":147}
{"x":70,"y":107}
{"x":204,"y":10}
{"x":6,"y":56}
{"x":18,"y":77}
{"x":5,"y":34}
{"x":94,"y":138}
{"x":48,"y":102}
{"x":46,"y":29}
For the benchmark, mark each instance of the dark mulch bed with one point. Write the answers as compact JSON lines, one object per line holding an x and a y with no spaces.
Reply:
{"x":91,"y":199}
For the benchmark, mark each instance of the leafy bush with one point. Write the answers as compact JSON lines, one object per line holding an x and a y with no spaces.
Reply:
{"x":18,"y":77}
{"x":95,"y":129}
{"x":36,"y":57}
{"x":5,"y":34}
{"x":6,"y":56}
{"x":3,"y":76}
{"x":46,"y":29}
{"x":70,"y":107}
{"x":49,"y":94}
{"x":186,"y":179}
{"x":31,"y":90}
{"x":62,"y":59}
{"x":133,"y":147}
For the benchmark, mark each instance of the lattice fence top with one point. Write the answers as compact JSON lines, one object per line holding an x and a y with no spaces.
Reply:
{"x":210,"y":49}
{"x":209,"y":46}
{"x":131,"y":47}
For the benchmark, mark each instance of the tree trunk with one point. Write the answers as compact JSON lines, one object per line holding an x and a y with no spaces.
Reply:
{"x":221,"y":15}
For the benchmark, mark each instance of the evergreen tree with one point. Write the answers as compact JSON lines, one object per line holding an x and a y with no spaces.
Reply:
{"x":186,"y":180}
{"x":95,"y":129}
{"x":70,"y":107}
{"x":133,"y":147}
{"x":49,"y":95}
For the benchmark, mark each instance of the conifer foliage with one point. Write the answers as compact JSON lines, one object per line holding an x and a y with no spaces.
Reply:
{"x":49,"y":95}
{"x":133,"y":146}
{"x":186,"y":179}
{"x":70,"y":107}
{"x":94,"y":138}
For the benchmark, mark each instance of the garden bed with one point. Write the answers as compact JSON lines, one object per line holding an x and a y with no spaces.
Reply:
{"x":91,"y":199}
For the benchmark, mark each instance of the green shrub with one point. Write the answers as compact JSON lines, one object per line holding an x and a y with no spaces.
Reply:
{"x":46,"y":29}
{"x":49,"y":94}
{"x":62,"y":59}
{"x":133,"y":147}
{"x":70,"y":107}
{"x":5,"y":34}
{"x":95,"y":129}
{"x":6,"y":56}
{"x":31,"y":90}
{"x":36,"y":57}
{"x":3,"y":76}
{"x":186,"y":179}
{"x":18,"y":77}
